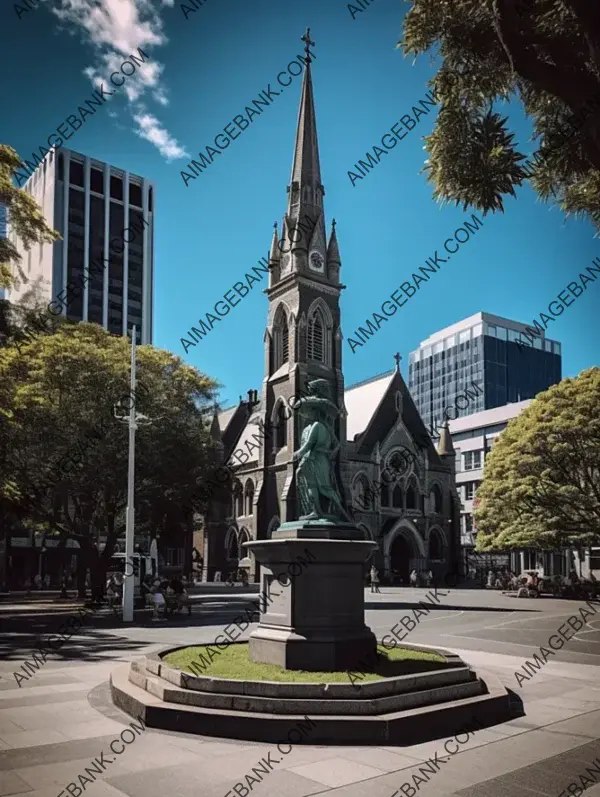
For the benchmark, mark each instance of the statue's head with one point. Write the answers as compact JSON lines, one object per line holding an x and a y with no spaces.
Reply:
{"x":320,"y":388}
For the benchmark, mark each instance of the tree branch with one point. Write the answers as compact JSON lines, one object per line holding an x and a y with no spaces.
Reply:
{"x":575,"y":91}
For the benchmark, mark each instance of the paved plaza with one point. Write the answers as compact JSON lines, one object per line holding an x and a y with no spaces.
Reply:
{"x":57,"y":722}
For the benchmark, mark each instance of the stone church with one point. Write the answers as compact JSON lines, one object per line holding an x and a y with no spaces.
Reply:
{"x":415,"y":521}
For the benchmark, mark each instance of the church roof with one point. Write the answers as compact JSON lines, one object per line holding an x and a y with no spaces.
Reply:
{"x":362,"y":401}
{"x":225,"y":418}
{"x":252,"y":435}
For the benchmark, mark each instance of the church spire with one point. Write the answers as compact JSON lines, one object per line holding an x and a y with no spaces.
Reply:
{"x":306,"y":190}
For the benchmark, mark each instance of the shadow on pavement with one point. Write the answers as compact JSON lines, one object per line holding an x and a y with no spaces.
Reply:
{"x":444,"y":607}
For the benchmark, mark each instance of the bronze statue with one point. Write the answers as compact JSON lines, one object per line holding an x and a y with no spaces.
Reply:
{"x":315,"y":475}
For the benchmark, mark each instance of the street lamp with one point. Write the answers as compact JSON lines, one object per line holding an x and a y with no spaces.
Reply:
{"x":133,"y":419}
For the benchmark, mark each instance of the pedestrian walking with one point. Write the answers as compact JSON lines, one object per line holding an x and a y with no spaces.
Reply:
{"x":375,"y":580}
{"x":594,"y":582}
{"x":413,"y":578}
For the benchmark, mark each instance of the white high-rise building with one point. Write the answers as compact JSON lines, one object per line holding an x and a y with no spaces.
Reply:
{"x":106,"y":218}
{"x":473,"y":437}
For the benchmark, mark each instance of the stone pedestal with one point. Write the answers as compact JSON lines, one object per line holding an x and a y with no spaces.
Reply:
{"x":312,"y":597}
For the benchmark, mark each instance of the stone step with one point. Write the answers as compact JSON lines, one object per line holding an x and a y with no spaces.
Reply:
{"x":286,"y":705}
{"x":456,"y":672}
{"x":411,"y":726}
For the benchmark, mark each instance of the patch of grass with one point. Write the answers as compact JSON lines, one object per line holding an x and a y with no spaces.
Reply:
{"x":233,"y":663}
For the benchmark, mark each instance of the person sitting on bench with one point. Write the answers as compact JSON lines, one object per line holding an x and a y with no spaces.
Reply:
{"x":180,"y":594}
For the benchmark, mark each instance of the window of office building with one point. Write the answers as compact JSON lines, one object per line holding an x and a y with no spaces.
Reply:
{"x":135,"y":280}
{"x":135,"y":195}
{"x":75,"y":254}
{"x":469,"y":491}
{"x":96,"y":181}
{"x":96,"y":260}
{"x":76,"y":174}
{"x":115,"y":273}
{"x":472,"y":460}
{"x":116,"y":188}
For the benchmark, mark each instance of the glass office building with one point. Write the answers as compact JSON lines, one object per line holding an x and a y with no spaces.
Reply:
{"x":106,"y":218}
{"x":476,"y":365}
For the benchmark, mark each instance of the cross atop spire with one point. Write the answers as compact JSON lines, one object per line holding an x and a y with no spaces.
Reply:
{"x":306,"y":190}
{"x":307,"y":42}
{"x":397,"y":357}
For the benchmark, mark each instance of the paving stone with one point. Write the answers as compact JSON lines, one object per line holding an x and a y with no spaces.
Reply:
{"x":11,"y":783}
{"x":59,"y":752}
{"x":336,"y":771}
{"x":38,"y":738}
{"x":377,"y":757}
{"x":184,"y":782}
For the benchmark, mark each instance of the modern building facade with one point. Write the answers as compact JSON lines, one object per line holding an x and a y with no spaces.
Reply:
{"x":473,"y":437}
{"x":105,"y":216}
{"x":415,"y":523}
{"x":477,"y":364}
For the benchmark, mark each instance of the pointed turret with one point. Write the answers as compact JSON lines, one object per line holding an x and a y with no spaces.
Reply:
{"x":445,"y":447}
{"x":274,"y":254}
{"x":333,"y":250}
{"x":274,"y":259}
{"x":215,"y":429}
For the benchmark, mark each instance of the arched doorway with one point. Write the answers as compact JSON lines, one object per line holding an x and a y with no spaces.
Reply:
{"x":401,"y":554}
{"x":403,"y":550}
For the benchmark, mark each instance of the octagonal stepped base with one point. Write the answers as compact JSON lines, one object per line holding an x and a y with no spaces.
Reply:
{"x":402,"y":710}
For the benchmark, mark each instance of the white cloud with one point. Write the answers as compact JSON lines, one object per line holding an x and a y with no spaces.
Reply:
{"x":116,"y":29}
{"x":151,"y":129}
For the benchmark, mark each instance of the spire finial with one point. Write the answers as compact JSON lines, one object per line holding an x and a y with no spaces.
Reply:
{"x":307,"y":41}
{"x":333,"y":223}
{"x":397,"y":357}
{"x":275,"y":225}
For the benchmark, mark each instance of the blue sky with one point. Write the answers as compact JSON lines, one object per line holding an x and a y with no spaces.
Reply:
{"x":204,"y":70}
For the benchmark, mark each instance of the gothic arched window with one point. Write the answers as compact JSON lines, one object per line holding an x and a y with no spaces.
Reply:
{"x":249,"y":497}
{"x":280,"y":437}
{"x":231,"y":545}
{"x":362,"y":494}
{"x":238,"y":500}
{"x":315,"y":337}
{"x":436,"y":499}
{"x":281,"y":338}
{"x":385,"y":494}
{"x":397,"y":497}
{"x":285,"y":342}
{"x":243,"y":537}
{"x":274,"y":524}
{"x":411,"y":496}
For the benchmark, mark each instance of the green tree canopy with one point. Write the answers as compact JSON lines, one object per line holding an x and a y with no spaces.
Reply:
{"x":64,"y":454}
{"x":26,"y":219}
{"x":541,"y":486}
{"x":544,"y":52}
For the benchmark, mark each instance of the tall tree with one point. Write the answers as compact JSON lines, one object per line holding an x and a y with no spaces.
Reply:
{"x":65,"y":454}
{"x":541,"y":486}
{"x":25,"y":218}
{"x":544,"y":52}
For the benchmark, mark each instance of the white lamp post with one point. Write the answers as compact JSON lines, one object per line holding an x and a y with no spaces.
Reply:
{"x":133,"y":419}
